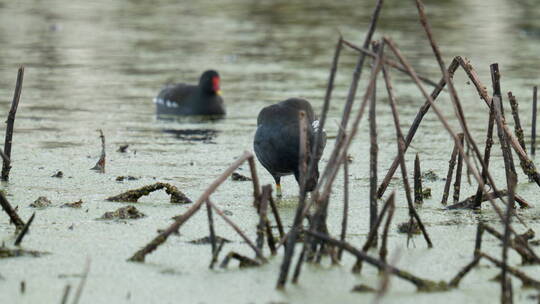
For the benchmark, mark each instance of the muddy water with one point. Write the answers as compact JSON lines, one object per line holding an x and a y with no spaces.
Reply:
{"x":98,"y":65}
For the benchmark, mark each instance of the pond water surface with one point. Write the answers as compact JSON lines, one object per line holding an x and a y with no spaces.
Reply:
{"x":98,"y":64}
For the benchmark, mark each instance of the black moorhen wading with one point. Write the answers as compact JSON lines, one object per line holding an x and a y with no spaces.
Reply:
{"x":185,"y":99}
{"x":277,"y":140}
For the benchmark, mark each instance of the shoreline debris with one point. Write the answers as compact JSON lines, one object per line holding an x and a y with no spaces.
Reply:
{"x":132,"y":196}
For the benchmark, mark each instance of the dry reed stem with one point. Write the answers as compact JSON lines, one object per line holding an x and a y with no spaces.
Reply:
{"x":459,"y":170}
{"x":418,"y":197}
{"x":454,"y":282}
{"x":383,"y":252}
{"x":373,"y":151}
{"x":399,"y":134}
{"x":487,"y":155}
{"x":14,"y":217}
{"x":6,"y":154}
{"x":371,"y":236}
{"x":525,"y":279}
{"x":212,"y":233}
{"x":533,"y":128}
{"x":518,"y":130}
{"x":24,"y":230}
{"x":449,"y":175}
{"x":503,"y":140}
{"x":345,"y":206}
{"x":421,"y":284}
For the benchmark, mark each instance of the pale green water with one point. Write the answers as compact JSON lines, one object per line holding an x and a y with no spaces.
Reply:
{"x":99,"y":64}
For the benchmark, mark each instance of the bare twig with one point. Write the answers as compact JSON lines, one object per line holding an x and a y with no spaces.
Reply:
{"x":461,"y":274}
{"x":418,"y":197}
{"x":533,"y":130}
{"x":487,"y":155}
{"x":399,"y":135}
{"x":24,"y":230}
{"x":345,"y":206}
{"x":373,"y":152}
{"x":82,"y":283}
{"x":421,"y":284}
{"x":254,"y":180}
{"x":211,"y":228}
{"x":6,"y":155}
{"x":518,"y":130}
{"x":505,"y":288}
{"x":472,"y":203}
{"x":65,"y":295}
{"x":10,"y":211}
{"x":525,"y":279}
{"x":449,"y":175}
{"x":215,"y":254}
{"x":299,"y":263}
{"x":459,"y":170}
{"x":383,"y":252}
{"x":276,"y":216}
{"x":244,"y":260}
{"x":371,"y":236}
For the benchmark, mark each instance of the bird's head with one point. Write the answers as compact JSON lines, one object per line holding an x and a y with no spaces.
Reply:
{"x":210,"y":82}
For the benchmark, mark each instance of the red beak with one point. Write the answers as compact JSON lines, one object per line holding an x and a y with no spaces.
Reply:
{"x":215,"y":85}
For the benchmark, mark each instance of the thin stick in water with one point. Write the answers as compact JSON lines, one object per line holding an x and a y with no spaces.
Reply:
{"x":82,"y":283}
{"x":505,"y":288}
{"x":449,"y":175}
{"x":19,"y":224}
{"x":345,"y":206}
{"x":254,"y":181}
{"x":371,"y":236}
{"x":418,"y":197}
{"x":24,"y":230}
{"x":399,"y":135}
{"x":518,"y":130}
{"x":454,"y":282}
{"x":421,"y":284}
{"x":533,"y":130}
{"x":211,"y":227}
{"x":383,"y":252}
{"x":459,"y":170}
{"x":6,"y":167}
{"x":215,"y":254}
{"x":65,"y":295}
{"x":373,"y":154}
{"x":487,"y":155}
{"x":275,"y":211}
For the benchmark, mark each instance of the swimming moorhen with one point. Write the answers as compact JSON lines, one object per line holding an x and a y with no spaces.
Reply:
{"x":277,"y":140}
{"x":185,"y":99}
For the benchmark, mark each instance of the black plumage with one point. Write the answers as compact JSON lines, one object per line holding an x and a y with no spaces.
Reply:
{"x":277,"y":140}
{"x":185,"y":99}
